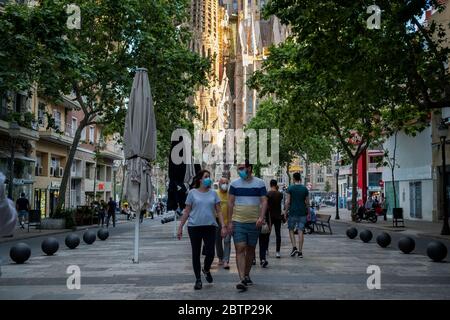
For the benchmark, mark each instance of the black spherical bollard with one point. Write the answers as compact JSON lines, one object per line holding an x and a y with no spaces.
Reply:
{"x":352,"y":232}
{"x":72,"y":241}
{"x":366,"y":235}
{"x":89,"y":237}
{"x":437,"y":251}
{"x":384,"y":239}
{"x":20,"y":252}
{"x":406,"y":244}
{"x":50,"y":246}
{"x":103,"y":234}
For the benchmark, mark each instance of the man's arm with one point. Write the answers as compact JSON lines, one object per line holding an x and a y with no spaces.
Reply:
{"x":287,"y":204}
{"x":262,"y":213}
{"x":231,"y":200}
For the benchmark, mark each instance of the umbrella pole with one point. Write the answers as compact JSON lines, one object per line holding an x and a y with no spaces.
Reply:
{"x":136,"y":239}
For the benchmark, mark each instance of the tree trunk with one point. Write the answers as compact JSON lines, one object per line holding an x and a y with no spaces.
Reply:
{"x":66,"y":175}
{"x":354,"y":187}
{"x":393,"y":169}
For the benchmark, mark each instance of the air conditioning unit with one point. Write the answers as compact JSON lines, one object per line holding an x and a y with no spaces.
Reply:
{"x":52,"y":171}
{"x":61,"y":171}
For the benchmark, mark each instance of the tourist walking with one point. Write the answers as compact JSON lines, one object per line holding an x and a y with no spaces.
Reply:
{"x":297,"y":202}
{"x":112,"y":205}
{"x":274,"y":200}
{"x":247,"y":205}
{"x":202,"y":205}
{"x":23,"y":208}
{"x":223,"y":244}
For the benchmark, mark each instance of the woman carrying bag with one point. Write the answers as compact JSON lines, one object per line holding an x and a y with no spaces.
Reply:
{"x":202,"y":206}
{"x":264,"y":238}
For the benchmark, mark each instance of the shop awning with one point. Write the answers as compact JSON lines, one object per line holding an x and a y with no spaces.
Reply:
{"x":18,"y":156}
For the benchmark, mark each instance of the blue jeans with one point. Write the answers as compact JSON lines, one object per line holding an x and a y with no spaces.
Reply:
{"x":227,"y":248}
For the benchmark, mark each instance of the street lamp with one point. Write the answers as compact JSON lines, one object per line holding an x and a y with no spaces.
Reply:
{"x":337,"y":191}
{"x":14,"y":131}
{"x":443,"y":131}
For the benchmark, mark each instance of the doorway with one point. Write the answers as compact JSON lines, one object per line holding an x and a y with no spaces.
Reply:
{"x":415,"y":199}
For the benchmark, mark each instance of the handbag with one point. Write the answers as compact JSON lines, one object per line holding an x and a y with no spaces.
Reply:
{"x":265,"y":228}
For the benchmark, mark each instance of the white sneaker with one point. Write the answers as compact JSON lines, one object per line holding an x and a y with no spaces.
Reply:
{"x":278,"y":255}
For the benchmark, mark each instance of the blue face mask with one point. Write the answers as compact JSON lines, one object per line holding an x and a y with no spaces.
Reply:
{"x":243,"y":174}
{"x":207,"y":182}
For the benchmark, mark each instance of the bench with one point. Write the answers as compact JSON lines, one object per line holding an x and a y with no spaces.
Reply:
{"x":322,"y":221}
{"x":34,"y":219}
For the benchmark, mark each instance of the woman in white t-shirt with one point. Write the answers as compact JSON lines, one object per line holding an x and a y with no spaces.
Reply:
{"x":202,"y":205}
{"x":8,"y":214}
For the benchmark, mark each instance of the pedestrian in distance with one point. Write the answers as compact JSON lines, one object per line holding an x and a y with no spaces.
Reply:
{"x":223,"y":244}
{"x":274,"y":200}
{"x":202,"y":206}
{"x":297,"y":203}
{"x":247,"y":205}
{"x":111,"y":210}
{"x":23,"y":208}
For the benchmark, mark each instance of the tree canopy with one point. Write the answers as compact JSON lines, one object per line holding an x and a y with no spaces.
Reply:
{"x":96,"y":63}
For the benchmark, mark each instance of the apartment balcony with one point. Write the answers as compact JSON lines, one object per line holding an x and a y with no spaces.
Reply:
{"x":345,"y":170}
{"x":111,"y":150}
{"x":373,"y":168}
{"x":62,"y":137}
{"x":27,"y":126}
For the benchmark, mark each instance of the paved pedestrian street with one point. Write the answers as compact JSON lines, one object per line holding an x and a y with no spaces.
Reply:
{"x":333,"y":267}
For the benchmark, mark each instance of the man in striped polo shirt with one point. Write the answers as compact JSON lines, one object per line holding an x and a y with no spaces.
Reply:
{"x":247,"y":204}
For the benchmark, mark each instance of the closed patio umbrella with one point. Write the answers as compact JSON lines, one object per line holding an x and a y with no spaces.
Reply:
{"x":139,"y":148}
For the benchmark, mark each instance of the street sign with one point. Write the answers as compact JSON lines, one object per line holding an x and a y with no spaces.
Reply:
{"x":381,"y":183}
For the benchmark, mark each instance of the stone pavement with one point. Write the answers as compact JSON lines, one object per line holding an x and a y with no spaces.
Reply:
{"x":23,"y":234}
{"x":412,"y":227}
{"x":334,"y":267}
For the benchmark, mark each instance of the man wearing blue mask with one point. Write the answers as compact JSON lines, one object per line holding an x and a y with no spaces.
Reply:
{"x":247,"y":204}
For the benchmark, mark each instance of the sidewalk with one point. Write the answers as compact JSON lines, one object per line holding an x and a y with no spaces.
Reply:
{"x":412,"y":227}
{"x":23,"y":234}
{"x":333,"y":267}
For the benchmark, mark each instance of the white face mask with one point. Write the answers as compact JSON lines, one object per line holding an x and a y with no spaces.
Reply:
{"x":224,"y":186}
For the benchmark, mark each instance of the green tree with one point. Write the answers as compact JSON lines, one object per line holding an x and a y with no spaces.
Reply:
{"x":294,"y":140}
{"x":348,"y":83}
{"x":97,"y":62}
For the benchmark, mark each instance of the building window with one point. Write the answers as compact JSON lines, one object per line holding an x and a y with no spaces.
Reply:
{"x":57,"y":118}
{"x":83,"y":134}
{"x":41,"y":114}
{"x":88,"y":171}
{"x":20,"y":103}
{"x":91,"y":134}
{"x":74,"y":126}
{"x":249,"y":101}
